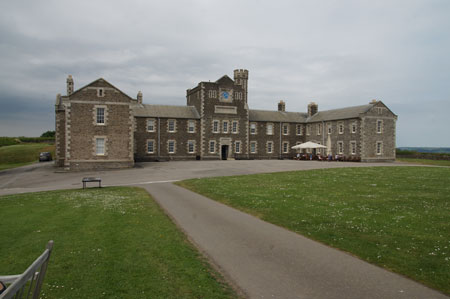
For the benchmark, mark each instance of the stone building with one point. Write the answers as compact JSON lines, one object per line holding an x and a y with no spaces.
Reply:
{"x":99,"y":126}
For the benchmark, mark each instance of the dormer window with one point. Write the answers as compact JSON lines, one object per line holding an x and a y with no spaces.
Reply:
{"x":100,"y":92}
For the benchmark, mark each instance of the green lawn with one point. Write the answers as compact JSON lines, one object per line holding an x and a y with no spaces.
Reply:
{"x":395,"y":217}
{"x":12,"y":156}
{"x":109,"y":243}
{"x":425,"y":161}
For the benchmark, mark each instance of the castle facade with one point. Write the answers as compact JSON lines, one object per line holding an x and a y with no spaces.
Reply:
{"x":98,"y":126}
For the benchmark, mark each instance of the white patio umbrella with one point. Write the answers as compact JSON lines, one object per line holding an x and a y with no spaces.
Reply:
{"x":308,"y":144}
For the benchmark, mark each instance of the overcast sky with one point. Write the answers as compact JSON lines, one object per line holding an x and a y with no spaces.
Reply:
{"x":336,"y":53}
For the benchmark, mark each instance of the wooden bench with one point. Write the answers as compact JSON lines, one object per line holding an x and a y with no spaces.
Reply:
{"x":34,"y":275}
{"x":91,"y":179}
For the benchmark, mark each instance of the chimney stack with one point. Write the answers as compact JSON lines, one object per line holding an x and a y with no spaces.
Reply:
{"x":373,"y":101}
{"x":313,"y":108}
{"x":69,"y":85}
{"x":139,"y":97}
{"x":282,"y":106}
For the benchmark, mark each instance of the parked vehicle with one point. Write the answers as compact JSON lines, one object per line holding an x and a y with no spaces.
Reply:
{"x":45,"y":156}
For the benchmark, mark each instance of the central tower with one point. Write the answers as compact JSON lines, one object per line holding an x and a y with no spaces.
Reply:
{"x":241,"y":78}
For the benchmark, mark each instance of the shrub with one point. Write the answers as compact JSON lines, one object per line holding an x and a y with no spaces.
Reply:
{"x":4,"y":141}
{"x":37,"y":139}
{"x":47,"y":134}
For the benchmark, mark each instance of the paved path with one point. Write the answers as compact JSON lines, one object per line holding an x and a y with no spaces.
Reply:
{"x":267,"y":261}
{"x":43,"y":176}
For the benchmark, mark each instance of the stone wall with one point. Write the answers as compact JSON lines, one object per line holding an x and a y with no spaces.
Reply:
{"x":161,"y":136}
{"x":262,"y":138}
{"x":347,"y":137}
{"x":371,"y":136}
{"x":117,"y":129}
{"x":60,"y":137}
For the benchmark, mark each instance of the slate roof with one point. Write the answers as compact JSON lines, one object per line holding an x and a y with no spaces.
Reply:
{"x":277,"y":116}
{"x":343,"y":113}
{"x":299,"y":117}
{"x":145,"y":110}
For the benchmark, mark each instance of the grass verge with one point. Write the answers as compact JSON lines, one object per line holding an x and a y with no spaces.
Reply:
{"x":12,"y":156}
{"x":394,"y":217}
{"x":425,"y":161}
{"x":109,"y":243}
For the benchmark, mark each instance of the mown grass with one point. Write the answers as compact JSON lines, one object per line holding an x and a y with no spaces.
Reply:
{"x":22,"y":154}
{"x":394,"y":217}
{"x":109,"y":243}
{"x":425,"y":161}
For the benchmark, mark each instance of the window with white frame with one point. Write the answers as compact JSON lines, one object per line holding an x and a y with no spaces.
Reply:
{"x":285,"y":147}
{"x":379,"y":126}
{"x":212,"y":94}
{"x":150,"y":146}
{"x":329,"y":128}
{"x":253,"y":128}
{"x":225,"y":126}
{"x":379,"y":148}
{"x":100,"y":115}
{"x":191,"y":146}
{"x":269,"y":129}
{"x":269,"y":147}
{"x":191,"y":126}
{"x":171,"y":125}
{"x":354,"y":127}
{"x":299,"y":129}
{"x":341,"y":128}
{"x":319,"y":129}
{"x":353,"y":147}
{"x":100,"y":146}
{"x":215,"y":126}
{"x":171,"y":146}
{"x":235,"y":127}
{"x":308,"y":130}
{"x":340,"y":146}
{"x":150,"y":125}
{"x":212,"y":146}
{"x":253,"y":147}
{"x":237,"y":147}
{"x":285,"y":129}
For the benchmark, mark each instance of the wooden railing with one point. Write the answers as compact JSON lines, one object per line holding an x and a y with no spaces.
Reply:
{"x":29,"y":283}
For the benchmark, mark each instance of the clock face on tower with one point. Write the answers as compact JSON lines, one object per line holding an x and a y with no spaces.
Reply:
{"x":226,"y":95}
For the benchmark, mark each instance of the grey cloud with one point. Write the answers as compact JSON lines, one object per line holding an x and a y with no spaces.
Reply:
{"x":335,"y":53}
